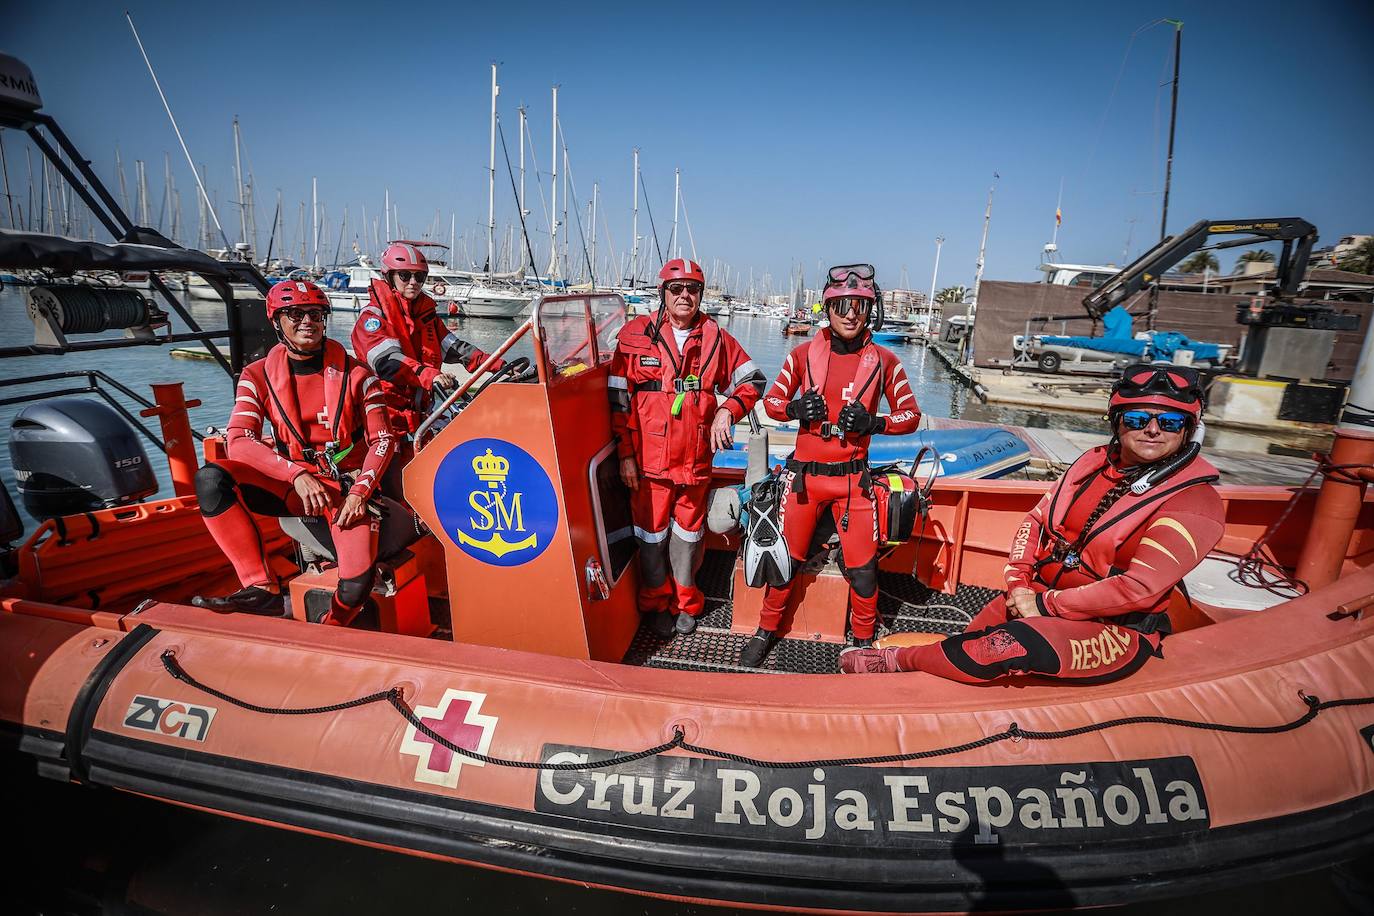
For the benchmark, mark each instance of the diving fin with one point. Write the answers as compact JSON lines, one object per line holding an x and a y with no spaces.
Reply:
{"x":766,"y":560}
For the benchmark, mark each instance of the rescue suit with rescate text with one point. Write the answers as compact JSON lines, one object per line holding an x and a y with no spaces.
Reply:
{"x":1103,"y":596}
{"x":829,"y":469}
{"x":329,"y":419}
{"x":663,"y":400}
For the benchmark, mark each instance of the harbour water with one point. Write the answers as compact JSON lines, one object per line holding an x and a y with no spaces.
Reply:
{"x":88,"y":851}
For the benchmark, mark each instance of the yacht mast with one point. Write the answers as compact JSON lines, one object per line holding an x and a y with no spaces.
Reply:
{"x":491,"y":177}
{"x":553,"y":209}
{"x":123,"y":188}
{"x":238,"y":178}
{"x":593,"y":222}
{"x":634,"y":230}
{"x":675,"y":245}
{"x":387,"y":209}
{"x":315,"y":222}
{"x":523,"y":212}
{"x":567,"y":226}
{"x":142,"y":193}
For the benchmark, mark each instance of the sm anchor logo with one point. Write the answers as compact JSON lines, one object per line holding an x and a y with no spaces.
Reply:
{"x":496,"y":502}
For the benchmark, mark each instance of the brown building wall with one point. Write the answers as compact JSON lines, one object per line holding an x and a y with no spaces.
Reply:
{"x":1004,"y":306}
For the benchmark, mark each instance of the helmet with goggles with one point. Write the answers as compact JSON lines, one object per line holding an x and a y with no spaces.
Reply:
{"x":852,"y":286}
{"x":1177,"y":388}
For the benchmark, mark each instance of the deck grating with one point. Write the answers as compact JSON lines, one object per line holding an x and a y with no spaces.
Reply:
{"x":904,"y":605}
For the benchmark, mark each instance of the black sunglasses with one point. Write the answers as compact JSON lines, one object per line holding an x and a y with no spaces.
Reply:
{"x":677,"y":289}
{"x":297,"y":316}
{"x":405,"y":275}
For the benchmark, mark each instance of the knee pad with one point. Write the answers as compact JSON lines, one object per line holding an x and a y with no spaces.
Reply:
{"x":214,"y":490}
{"x":353,"y":591}
{"x":1013,"y":647}
{"x":863,"y":579}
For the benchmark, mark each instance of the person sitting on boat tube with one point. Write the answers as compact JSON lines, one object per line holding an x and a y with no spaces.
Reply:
{"x":664,"y":377}
{"x":400,"y":335}
{"x":333,"y":442}
{"x":1093,"y":565}
{"x":841,"y":375}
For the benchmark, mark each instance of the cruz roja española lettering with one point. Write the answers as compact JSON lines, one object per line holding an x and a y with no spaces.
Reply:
{"x":1065,"y":803}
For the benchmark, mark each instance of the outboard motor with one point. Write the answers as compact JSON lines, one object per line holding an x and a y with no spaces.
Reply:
{"x":74,"y":455}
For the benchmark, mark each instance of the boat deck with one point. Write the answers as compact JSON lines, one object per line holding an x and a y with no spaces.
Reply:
{"x":904,"y":605}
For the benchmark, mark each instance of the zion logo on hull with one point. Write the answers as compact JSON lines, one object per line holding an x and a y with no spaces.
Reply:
{"x":495,"y":502}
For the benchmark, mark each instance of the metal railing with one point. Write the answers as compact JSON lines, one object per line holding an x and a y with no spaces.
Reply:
{"x":93,"y":379}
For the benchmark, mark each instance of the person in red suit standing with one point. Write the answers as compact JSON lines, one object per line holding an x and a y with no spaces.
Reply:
{"x":1093,"y":565}
{"x":841,"y":374}
{"x":666,"y":372}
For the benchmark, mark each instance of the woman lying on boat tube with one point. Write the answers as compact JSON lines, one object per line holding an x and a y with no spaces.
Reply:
{"x":401,"y":337}
{"x":1093,"y":565}
{"x":333,"y":444}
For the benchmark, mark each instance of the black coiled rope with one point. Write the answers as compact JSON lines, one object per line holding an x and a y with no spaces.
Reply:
{"x":90,"y":310}
{"x":1013,"y":732}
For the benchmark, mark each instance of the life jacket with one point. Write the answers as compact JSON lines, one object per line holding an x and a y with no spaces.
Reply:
{"x":1096,"y":556}
{"x":870,"y":370}
{"x":405,"y":319}
{"x":346,"y":425}
{"x":674,"y":407}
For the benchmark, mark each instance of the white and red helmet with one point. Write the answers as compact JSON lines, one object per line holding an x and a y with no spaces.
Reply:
{"x":681,"y":269}
{"x":295,"y":294}
{"x":404,"y":256}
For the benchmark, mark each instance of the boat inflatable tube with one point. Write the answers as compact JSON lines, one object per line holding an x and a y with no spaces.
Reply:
{"x":766,"y":560}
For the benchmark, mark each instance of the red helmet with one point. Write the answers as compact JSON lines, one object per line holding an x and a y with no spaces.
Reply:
{"x":403,"y":256}
{"x":681,"y":269}
{"x":1170,"y":387}
{"x":295,"y":294}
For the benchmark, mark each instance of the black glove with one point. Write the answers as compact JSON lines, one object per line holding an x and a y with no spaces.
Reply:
{"x":809,"y":408}
{"x":855,"y":419}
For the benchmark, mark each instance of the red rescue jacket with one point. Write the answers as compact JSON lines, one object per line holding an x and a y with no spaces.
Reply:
{"x":406,"y":344}
{"x":864,"y":376}
{"x":353,"y":412}
{"x":1135,"y":555}
{"x":649,"y":376}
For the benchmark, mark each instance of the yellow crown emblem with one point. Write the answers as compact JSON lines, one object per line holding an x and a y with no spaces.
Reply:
{"x":491,"y":468}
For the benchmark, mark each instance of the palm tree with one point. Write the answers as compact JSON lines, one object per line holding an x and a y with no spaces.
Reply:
{"x":952,"y":294}
{"x":1258,"y":254}
{"x":1200,"y":262}
{"x":1362,"y":260}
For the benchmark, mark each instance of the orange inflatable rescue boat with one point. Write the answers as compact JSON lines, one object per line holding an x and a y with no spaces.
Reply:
{"x":504,"y":707}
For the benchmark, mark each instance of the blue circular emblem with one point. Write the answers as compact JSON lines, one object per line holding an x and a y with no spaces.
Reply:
{"x":495,"y":502}
{"x":372,"y":323}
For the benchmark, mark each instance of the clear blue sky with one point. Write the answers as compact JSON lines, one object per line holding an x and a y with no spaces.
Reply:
{"x":837,"y":132}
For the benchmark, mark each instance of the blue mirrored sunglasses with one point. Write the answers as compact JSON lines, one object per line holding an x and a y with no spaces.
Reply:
{"x":1168,"y":422}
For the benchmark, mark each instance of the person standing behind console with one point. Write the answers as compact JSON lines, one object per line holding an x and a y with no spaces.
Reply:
{"x":664,"y":377}
{"x":400,"y":335}
{"x":841,"y":373}
{"x":1093,"y":565}
{"x":333,"y":442}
